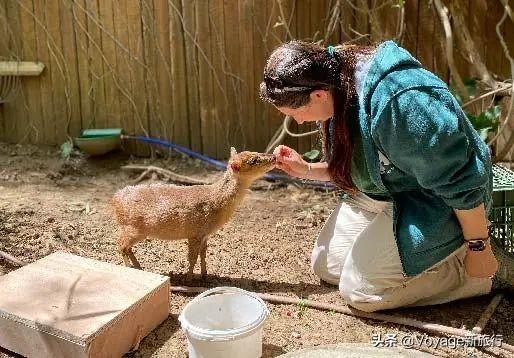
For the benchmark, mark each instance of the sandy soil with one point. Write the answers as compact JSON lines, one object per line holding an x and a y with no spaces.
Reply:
{"x":48,"y":205}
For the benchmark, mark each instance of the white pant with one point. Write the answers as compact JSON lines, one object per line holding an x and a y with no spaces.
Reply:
{"x":356,"y":250}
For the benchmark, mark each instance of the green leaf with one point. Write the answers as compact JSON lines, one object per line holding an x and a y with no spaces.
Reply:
{"x":312,"y":155}
{"x":471,"y":86}
{"x":493,"y":113}
{"x":66,"y":149}
{"x":484,"y":132}
{"x":488,"y":119}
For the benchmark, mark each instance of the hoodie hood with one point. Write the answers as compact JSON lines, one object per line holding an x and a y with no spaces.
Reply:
{"x":390,"y":58}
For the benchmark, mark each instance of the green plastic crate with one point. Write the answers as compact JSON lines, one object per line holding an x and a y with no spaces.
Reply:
{"x":501,"y":229}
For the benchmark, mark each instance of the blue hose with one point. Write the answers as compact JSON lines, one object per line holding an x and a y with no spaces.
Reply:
{"x":219,"y":164}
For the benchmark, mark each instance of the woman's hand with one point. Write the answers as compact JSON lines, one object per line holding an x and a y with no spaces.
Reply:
{"x":474,"y":225}
{"x":481,"y":264}
{"x":291,"y":162}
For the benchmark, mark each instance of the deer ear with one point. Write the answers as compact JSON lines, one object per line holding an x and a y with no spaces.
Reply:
{"x":235,"y":166}
{"x":233,"y":151}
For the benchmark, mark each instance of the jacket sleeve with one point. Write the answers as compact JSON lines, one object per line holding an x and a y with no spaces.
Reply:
{"x":424,"y":133}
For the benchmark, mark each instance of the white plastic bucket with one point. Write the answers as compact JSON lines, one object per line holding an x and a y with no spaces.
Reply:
{"x":224,"y":322}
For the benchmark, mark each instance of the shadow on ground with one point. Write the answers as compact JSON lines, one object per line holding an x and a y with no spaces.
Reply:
{"x":301,"y":289}
{"x":156,"y":339}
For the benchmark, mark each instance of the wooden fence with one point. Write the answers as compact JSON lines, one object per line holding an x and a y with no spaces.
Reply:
{"x":189,"y":70}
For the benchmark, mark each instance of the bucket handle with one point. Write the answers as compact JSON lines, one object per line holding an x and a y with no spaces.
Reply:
{"x":227,"y":289}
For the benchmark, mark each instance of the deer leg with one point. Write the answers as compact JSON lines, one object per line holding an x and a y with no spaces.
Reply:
{"x":135,"y":263}
{"x":203,"y":253}
{"x":125,"y":243}
{"x":194,"y":249}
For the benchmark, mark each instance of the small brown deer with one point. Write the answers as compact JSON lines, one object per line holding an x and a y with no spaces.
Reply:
{"x":171,"y":212}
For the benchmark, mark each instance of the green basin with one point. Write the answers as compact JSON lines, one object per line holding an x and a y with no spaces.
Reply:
{"x":98,"y":145}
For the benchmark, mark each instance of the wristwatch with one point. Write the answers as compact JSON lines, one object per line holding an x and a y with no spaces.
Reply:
{"x":477,"y":244}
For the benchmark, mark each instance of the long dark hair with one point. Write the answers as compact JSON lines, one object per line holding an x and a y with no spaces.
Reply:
{"x":297,"y":68}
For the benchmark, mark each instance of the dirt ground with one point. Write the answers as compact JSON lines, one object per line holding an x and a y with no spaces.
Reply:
{"x":48,"y":205}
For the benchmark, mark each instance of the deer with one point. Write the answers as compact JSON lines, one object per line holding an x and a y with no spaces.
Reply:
{"x":173,"y":212}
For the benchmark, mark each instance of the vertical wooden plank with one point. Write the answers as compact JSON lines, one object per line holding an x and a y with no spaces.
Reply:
{"x":459,"y":53}
{"x":283,"y":34}
{"x":362,"y":21}
{"x":410,"y":37}
{"x":439,"y":60}
{"x":233,"y":70}
{"x":112,"y":104}
{"x":304,"y":31}
{"x":4,"y":30}
{"x":188,"y":10}
{"x":320,"y":13}
{"x":13,"y":28}
{"x":508,"y":33}
{"x":290,"y":9}
{"x":15,"y":132}
{"x":505,"y":72}
{"x":45,"y":90}
{"x":4,"y":52}
{"x":178,"y":72}
{"x":32,"y":99}
{"x":150,"y":55}
{"x":494,"y":52}
{"x":70,"y":52}
{"x":2,"y":122}
{"x":205,"y":78}
{"x":220,"y":100}
{"x":346,"y":21}
{"x":389,"y":17}
{"x":425,"y":35}
{"x":274,"y":117}
{"x":478,"y":25}
{"x":136,"y":50}
{"x":83,"y":72}
{"x":124,"y":64}
{"x":260,"y":55}
{"x":97,"y":93}
{"x":247,"y":58}
{"x":59,"y":74}
{"x":163,"y":69}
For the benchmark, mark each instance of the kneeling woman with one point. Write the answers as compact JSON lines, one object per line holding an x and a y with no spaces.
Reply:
{"x":411,"y":228}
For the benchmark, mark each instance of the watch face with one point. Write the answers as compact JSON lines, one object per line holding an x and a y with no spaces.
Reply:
{"x":476,"y":245}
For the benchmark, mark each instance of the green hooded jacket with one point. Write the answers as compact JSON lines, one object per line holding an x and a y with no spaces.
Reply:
{"x":421,"y":149}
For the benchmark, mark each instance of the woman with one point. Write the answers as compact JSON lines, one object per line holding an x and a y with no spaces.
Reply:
{"x":412,"y":226}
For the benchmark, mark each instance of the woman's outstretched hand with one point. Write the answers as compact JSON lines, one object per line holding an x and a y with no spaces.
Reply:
{"x":481,"y":264}
{"x":291,"y":162}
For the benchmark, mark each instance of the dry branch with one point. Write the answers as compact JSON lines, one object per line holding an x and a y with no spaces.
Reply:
{"x":169,"y":174}
{"x":486,"y":315}
{"x":443,"y":15}
{"x":501,"y":91}
{"x":506,"y":5}
{"x":508,"y":145}
{"x":12,"y":259}
{"x":464,"y":35}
